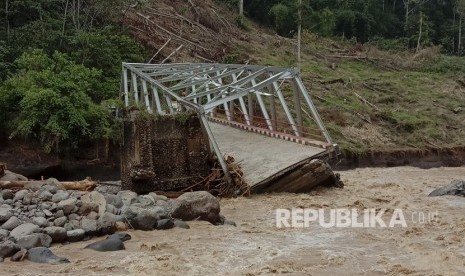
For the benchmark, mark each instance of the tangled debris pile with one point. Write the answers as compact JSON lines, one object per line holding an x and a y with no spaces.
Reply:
{"x":44,"y":212}
{"x":217,"y":184}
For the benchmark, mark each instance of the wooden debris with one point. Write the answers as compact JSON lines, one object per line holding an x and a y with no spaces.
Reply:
{"x":83,"y":185}
{"x":216,"y":182}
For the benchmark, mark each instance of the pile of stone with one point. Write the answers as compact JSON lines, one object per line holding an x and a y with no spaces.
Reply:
{"x":43,"y":213}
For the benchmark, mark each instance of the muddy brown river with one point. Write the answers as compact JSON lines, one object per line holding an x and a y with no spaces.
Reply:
{"x":257,"y":247}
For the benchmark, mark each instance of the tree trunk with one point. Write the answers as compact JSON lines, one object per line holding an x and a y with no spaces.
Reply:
{"x":459,"y":46}
{"x":241,"y":11}
{"x":64,"y":23}
{"x":7,"y":22}
{"x":419,"y":34}
{"x":83,"y":185}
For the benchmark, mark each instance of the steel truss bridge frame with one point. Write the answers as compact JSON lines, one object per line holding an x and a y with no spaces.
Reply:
{"x":264,"y":99}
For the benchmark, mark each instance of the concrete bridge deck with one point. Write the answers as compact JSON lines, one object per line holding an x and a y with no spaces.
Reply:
{"x":261,"y":156}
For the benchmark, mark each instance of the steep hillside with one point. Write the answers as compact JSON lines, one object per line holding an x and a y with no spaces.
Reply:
{"x":371,"y":101}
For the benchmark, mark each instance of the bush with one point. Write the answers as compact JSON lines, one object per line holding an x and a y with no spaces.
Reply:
{"x":49,"y":99}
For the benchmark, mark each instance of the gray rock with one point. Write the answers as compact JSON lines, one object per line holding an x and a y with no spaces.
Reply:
{"x":76,"y":235}
{"x":19,"y":256}
{"x":58,"y":234}
{"x":34,"y":240}
{"x":60,"y":222}
{"x":145,"y":200}
{"x":73,"y":216}
{"x":8,"y":249}
{"x":5,"y":214}
{"x":27,"y":199}
{"x":196,"y":205}
{"x":60,"y":196}
{"x":47,"y":213}
{"x":72,"y":224}
{"x":111,"y":209}
{"x":8,"y":202}
{"x":92,"y":215}
{"x":128,"y":197}
{"x":145,"y":220}
{"x":24,"y":230}
{"x":107,"y":223}
{"x":181,"y":224}
{"x":4,"y":234}
{"x":39,"y":214}
{"x":8,"y":194}
{"x":45,"y":196}
{"x":158,"y":197}
{"x":87,"y":208}
{"x":163,"y":224}
{"x":34,"y":186}
{"x":44,"y":255}
{"x":11,"y":176}
{"x":20,"y":195}
{"x":456,"y":187}
{"x":97,"y":198}
{"x":68,"y":205}
{"x":114,"y":200}
{"x":60,"y":213}
{"x":90,"y":226}
{"x":54,"y":182}
{"x":51,"y":188}
{"x":40,"y":221}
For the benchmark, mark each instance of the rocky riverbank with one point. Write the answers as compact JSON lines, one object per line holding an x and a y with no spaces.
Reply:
{"x":43,"y":212}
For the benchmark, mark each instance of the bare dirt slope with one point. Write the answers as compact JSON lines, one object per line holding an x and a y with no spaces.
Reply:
{"x":257,"y":247}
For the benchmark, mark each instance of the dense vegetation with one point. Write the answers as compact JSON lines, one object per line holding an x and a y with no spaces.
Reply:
{"x":393,"y":23}
{"x":60,"y":64}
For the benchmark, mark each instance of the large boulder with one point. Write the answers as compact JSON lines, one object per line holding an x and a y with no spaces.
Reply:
{"x":58,"y":234}
{"x":8,"y":248}
{"x":96,"y":198}
{"x":5,"y":214}
{"x":196,"y":205}
{"x":24,"y":230}
{"x":34,"y":240}
{"x":456,"y":187}
{"x":11,"y":176}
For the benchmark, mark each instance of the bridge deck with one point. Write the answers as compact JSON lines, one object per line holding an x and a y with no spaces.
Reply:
{"x":260,"y":156}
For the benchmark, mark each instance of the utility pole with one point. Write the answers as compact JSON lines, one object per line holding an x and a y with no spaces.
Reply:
{"x":299,"y":30}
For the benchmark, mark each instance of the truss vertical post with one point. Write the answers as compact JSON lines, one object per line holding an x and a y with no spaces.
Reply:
{"x":298,"y":107}
{"x":146,"y":96}
{"x":134,"y":87}
{"x":157,"y":100}
{"x":312,"y":107}
{"x":215,"y":146}
{"x":273,"y":108}
{"x":262,"y":107}
{"x":242,"y":104}
{"x":125,"y":86}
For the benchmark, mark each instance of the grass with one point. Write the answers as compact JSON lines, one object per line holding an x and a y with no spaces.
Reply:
{"x":415,"y":105}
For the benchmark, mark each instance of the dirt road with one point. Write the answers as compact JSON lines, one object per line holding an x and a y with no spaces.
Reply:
{"x":257,"y":247}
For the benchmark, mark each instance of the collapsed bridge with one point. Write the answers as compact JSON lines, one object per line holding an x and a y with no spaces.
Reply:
{"x":261,"y":115}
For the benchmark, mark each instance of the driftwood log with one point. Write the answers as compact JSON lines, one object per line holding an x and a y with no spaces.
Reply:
{"x":301,"y":178}
{"x":2,"y":169}
{"x":83,"y":185}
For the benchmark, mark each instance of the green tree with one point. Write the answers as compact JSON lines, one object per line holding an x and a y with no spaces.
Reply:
{"x":48,"y":100}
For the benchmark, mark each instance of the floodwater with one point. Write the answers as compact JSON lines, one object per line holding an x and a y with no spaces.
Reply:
{"x":256,"y":246}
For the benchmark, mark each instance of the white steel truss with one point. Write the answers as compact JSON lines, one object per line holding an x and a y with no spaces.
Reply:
{"x":271,"y":99}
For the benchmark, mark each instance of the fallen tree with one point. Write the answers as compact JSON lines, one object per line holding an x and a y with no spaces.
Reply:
{"x":83,"y":185}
